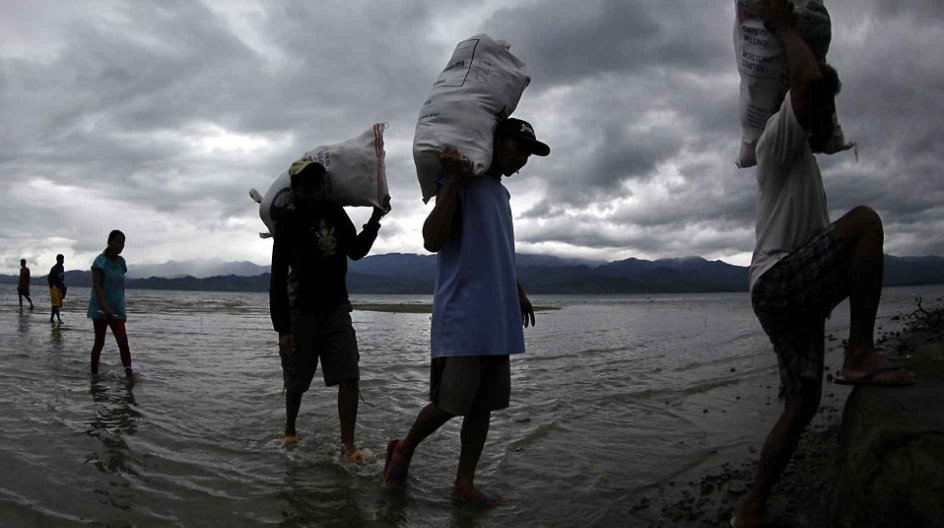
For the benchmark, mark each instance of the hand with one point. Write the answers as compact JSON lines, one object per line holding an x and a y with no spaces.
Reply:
{"x":454,"y":164}
{"x":380,"y":212}
{"x":108,"y":312}
{"x":778,"y":14}
{"x":287,"y":347}
{"x":527,"y":311}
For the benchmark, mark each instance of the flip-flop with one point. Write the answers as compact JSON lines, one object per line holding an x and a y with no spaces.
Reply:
{"x":869,"y":378}
{"x":391,"y":474}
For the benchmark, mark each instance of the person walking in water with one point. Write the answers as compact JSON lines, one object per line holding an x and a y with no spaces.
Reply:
{"x":479,"y":307}
{"x":107,"y":303}
{"x":23,"y":285}
{"x":57,"y":288}
{"x":803,"y":265}
{"x":308,"y":299}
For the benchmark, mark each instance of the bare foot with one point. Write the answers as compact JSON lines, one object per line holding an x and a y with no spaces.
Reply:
{"x":476,"y":497}
{"x":290,"y":438}
{"x":356,"y":455}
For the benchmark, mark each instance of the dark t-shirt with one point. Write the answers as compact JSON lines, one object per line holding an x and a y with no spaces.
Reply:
{"x":56,"y":277}
{"x":24,"y":282}
{"x":309,"y":260}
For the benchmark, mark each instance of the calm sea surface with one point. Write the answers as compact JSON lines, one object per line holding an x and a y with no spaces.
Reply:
{"x":614,"y":396}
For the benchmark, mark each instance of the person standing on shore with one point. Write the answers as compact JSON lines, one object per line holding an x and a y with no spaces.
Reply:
{"x":803,"y":265}
{"x":479,"y":307}
{"x":308,"y":299}
{"x":57,"y":287}
{"x":107,"y":303}
{"x":23,"y":284}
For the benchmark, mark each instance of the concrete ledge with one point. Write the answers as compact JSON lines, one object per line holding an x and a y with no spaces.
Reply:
{"x":891,"y":445}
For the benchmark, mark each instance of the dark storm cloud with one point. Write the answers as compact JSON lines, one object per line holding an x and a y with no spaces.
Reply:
{"x":567,"y":41}
{"x":647,"y":84}
{"x":890,"y":105}
{"x":160,"y":116}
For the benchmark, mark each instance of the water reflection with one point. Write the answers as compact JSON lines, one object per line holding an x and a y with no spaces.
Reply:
{"x":114,"y":418}
{"x":55,"y":337}
{"x":394,"y":507}
{"x":468,"y":516}
{"x":322,"y":494}
{"x":24,"y":322}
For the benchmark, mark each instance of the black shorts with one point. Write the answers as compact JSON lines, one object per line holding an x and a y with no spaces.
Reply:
{"x":792,"y":300}
{"x":329,"y":336}
{"x":470,"y":384}
{"x":23,"y":291}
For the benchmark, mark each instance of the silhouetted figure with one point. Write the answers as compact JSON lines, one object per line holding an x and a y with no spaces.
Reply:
{"x":308,"y":298}
{"x":479,"y":307}
{"x":23,"y":285}
{"x":107,"y":303}
{"x":803,"y":265}
{"x":57,"y":288}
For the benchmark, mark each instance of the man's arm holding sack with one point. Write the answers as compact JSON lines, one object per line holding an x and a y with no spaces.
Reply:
{"x":444,"y":220}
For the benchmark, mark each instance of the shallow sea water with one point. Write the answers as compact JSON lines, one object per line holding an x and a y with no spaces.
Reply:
{"x":615,"y":396}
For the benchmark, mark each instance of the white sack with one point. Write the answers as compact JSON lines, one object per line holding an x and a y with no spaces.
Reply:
{"x":355,"y":176}
{"x":765,"y":74}
{"x":481,"y":83}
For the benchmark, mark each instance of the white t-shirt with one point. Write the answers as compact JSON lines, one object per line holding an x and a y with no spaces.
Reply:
{"x":791,"y":204}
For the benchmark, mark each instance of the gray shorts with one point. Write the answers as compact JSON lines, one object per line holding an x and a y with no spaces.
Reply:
{"x":470,"y":384}
{"x":329,"y":336}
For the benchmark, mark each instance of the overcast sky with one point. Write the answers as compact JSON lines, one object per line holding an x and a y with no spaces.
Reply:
{"x":157,"y":117}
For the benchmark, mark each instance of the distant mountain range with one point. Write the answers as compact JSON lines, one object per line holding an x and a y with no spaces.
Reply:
{"x":200,"y":268}
{"x":415,"y":274}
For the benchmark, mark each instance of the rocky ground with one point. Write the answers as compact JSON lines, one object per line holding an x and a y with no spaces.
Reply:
{"x":803,"y":496}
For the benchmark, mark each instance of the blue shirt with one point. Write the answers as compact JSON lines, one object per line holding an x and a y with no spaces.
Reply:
{"x":113,"y":286}
{"x":475,"y":309}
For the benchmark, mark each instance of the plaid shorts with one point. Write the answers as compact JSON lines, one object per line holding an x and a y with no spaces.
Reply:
{"x":792,"y":300}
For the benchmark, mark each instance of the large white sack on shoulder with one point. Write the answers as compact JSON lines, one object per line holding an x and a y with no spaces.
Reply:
{"x":355,"y":176}
{"x":764,"y":72}
{"x":482,"y":82}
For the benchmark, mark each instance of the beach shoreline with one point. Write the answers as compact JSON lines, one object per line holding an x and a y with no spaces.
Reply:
{"x":803,"y":498}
